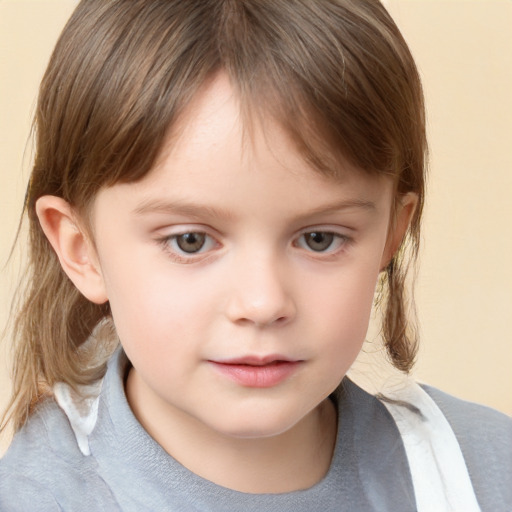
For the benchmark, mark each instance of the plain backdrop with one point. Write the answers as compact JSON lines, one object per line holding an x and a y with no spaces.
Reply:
{"x":463,"y":49}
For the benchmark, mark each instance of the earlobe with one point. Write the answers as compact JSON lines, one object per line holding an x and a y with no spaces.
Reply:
{"x":73,"y":247}
{"x":400,"y":221}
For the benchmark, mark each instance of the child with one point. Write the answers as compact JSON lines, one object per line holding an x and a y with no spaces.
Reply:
{"x":219,"y":186}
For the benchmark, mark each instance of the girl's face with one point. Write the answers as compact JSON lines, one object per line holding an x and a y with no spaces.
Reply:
{"x":240,"y":280}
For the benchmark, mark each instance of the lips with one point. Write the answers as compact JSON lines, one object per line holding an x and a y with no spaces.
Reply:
{"x":257,"y":372}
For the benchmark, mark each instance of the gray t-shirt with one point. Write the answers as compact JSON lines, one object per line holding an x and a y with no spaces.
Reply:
{"x":44,"y":470}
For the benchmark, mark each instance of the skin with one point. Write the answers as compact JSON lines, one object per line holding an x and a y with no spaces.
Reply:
{"x":259,"y":286}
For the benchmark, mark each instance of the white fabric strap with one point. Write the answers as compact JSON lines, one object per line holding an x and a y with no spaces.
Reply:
{"x":81,"y":410}
{"x":439,"y":472}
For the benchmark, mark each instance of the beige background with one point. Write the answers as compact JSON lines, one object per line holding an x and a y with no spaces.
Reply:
{"x":464,"y":290}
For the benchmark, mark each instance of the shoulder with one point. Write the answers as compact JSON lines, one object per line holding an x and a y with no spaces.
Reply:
{"x":44,"y":465}
{"x":485,"y":439}
{"x":489,"y":429}
{"x":25,"y":468}
{"x":46,"y":438}
{"x":19,"y":494}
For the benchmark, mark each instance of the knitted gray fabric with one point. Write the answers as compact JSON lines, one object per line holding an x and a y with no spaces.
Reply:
{"x":127,"y":470}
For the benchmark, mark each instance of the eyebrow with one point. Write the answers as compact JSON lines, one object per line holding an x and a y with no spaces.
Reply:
{"x":179,"y":207}
{"x":349,"y":204}
{"x":189,"y":209}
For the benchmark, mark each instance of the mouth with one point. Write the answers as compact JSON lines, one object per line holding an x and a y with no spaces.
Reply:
{"x":257,"y":372}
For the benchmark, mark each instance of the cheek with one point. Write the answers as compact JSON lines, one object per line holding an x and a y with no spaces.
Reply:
{"x":153,"y":305}
{"x":157,"y":330}
{"x":341,"y":311}
{"x":347,"y":296}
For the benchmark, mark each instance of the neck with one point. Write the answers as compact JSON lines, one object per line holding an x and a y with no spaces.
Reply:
{"x":296,"y":459}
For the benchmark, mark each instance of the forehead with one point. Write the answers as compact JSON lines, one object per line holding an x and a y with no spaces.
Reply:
{"x":214,"y":158}
{"x":217,"y":119}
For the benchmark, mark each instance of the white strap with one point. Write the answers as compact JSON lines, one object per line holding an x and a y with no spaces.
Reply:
{"x":439,"y":472}
{"x":81,"y":410}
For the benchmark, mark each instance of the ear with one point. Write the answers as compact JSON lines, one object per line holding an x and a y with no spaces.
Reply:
{"x":73,"y":247}
{"x":401,"y":218}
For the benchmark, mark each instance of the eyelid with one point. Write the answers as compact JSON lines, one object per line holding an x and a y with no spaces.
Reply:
{"x":341,"y":231}
{"x":184,"y":257}
{"x":344,"y":240}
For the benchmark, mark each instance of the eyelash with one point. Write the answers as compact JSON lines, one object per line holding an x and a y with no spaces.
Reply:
{"x":337,"y":239}
{"x":170,"y":244}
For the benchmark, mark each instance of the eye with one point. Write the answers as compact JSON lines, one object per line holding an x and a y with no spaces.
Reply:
{"x":321,"y":241}
{"x":191,"y":243}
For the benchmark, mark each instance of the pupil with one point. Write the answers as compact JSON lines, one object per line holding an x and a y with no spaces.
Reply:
{"x":191,"y":242}
{"x":319,"y":241}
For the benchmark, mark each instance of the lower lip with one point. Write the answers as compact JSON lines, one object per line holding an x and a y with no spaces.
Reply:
{"x":265,"y":376}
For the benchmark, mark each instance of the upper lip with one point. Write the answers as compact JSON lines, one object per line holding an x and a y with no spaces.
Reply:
{"x":253,"y":360}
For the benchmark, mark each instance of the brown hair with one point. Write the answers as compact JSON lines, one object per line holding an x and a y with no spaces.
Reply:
{"x":336,"y":74}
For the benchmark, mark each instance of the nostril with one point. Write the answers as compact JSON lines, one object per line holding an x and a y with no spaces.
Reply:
{"x":260,"y":320}
{"x":281,"y":320}
{"x":262,"y":300}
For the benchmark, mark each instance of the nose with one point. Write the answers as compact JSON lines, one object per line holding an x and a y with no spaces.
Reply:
{"x":260,"y":294}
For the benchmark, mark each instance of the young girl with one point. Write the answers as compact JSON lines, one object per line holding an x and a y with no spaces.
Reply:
{"x":219,"y":186}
